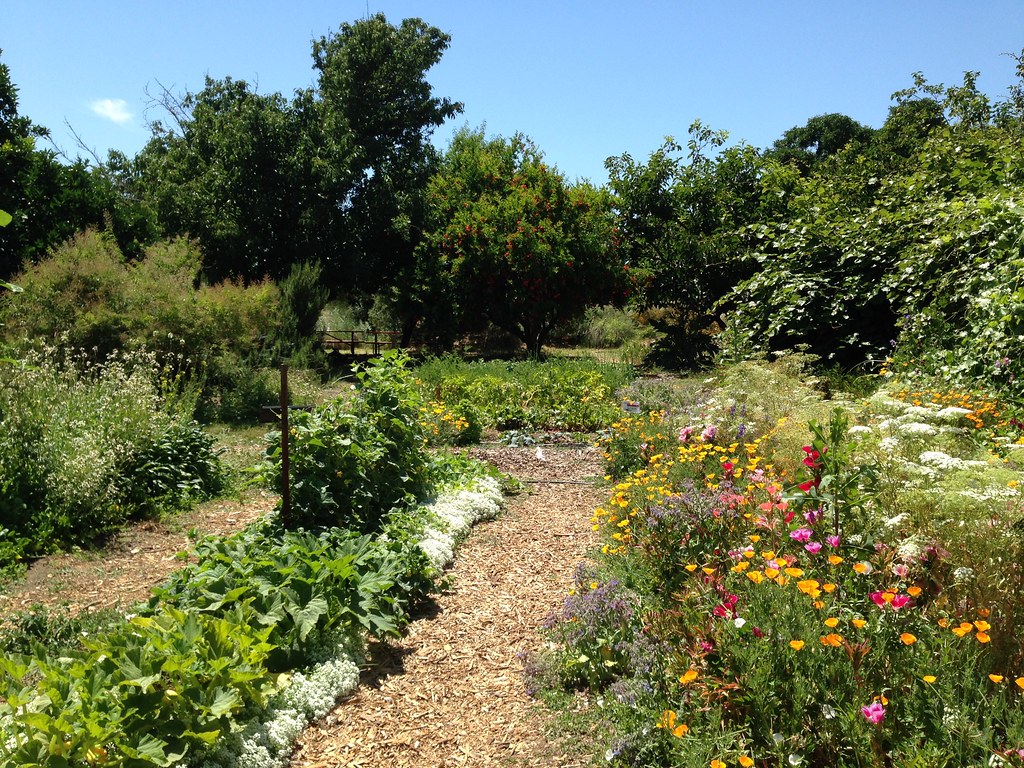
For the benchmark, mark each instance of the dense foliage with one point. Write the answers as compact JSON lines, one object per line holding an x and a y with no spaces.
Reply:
{"x":511,"y":243}
{"x":85,"y":447}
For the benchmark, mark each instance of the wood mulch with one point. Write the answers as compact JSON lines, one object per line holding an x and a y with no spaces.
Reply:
{"x":450,"y":692}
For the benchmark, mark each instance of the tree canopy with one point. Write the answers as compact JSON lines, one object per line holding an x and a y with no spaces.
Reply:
{"x":509,"y":241}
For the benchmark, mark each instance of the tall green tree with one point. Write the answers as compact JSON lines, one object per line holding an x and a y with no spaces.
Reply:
{"x":335,"y":175}
{"x":512,"y":244}
{"x":806,"y":146}
{"x":49,"y":201}
{"x":683,"y":217}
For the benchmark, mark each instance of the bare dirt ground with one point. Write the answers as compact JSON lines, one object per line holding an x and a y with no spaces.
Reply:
{"x":130,"y":564}
{"x":448,"y":693}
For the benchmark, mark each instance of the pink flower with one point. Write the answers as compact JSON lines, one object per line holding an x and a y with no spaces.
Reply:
{"x":801,"y":534}
{"x":813,"y":547}
{"x":709,"y":433}
{"x":874,"y":713}
{"x":684,"y":434}
{"x":812,"y":516}
{"x":877,"y":599}
{"x":901,"y":601}
{"x":833,"y":541}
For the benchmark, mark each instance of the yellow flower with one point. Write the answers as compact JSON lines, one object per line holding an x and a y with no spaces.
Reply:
{"x":914,"y":591}
{"x":809,"y":587}
{"x":691,"y":567}
{"x":835,"y":559}
{"x":996,"y":678}
{"x":740,"y":567}
{"x":832,"y":640}
{"x":907,"y":639}
{"x":708,"y":571}
{"x":688,"y":676}
{"x":795,"y":573}
{"x":983,"y":626}
{"x":982,"y":637}
{"x":796,"y":645}
{"x":771,"y":573}
{"x":755,"y":538}
{"x":831,"y":622}
{"x":746,"y":761}
{"x":769,"y":554}
{"x":1020,"y":683}
{"x":668,"y":722}
{"x":861,"y":568}
{"x":717,"y":764}
{"x":929,"y":679}
{"x":755,"y":576}
{"x":830,"y":588}
{"x":963,"y":629}
{"x":858,"y":623}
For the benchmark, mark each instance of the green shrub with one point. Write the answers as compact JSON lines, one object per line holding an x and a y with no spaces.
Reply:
{"x":353,"y":462}
{"x":86,"y":446}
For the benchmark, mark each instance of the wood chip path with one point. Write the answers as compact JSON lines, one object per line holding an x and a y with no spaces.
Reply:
{"x":450,"y":692}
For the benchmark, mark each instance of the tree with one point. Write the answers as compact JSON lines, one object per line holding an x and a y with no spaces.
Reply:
{"x":48,"y":201}
{"x":335,"y":175}
{"x":821,"y":137}
{"x":682,"y":219}
{"x":511,"y":243}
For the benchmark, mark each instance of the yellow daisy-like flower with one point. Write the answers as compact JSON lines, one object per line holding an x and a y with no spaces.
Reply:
{"x":831,"y":622}
{"x":755,"y":576}
{"x":740,"y":567}
{"x":691,"y":567}
{"x":829,"y":587}
{"x":746,"y":761}
{"x":794,"y":572}
{"x":832,"y":640}
{"x":796,"y":645}
{"x":668,"y":723}
{"x":929,"y":679}
{"x":717,"y":764}
{"x":908,"y":639}
{"x":835,"y":559}
{"x":808,"y":586}
{"x":858,"y":623}
{"x":755,"y":538}
{"x":914,"y":591}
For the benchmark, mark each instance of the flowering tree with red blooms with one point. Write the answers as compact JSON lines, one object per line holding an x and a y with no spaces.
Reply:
{"x":513,"y":244}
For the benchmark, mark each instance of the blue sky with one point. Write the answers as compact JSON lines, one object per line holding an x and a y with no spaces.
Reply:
{"x":584,"y":78}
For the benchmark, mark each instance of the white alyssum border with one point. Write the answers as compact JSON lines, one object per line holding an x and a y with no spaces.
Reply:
{"x":266,"y":742}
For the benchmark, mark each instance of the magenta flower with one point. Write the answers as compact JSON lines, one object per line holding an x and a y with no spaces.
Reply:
{"x":813,"y":516}
{"x":813,"y":547}
{"x":709,"y":433}
{"x":801,"y":534}
{"x":684,"y":434}
{"x":833,"y":541}
{"x":877,"y":599}
{"x":901,"y":601}
{"x":874,"y":713}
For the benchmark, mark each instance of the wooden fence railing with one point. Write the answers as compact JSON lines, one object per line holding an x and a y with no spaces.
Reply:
{"x":361,"y":342}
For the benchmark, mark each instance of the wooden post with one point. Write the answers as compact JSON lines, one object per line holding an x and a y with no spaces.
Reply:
{"x":286,"y":491}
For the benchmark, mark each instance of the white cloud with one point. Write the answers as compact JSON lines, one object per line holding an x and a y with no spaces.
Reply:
{"x":112,"y":109}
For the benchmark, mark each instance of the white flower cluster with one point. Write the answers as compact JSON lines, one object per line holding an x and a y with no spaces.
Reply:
{"x":453,"y":513}
{"x":266,"y":742}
